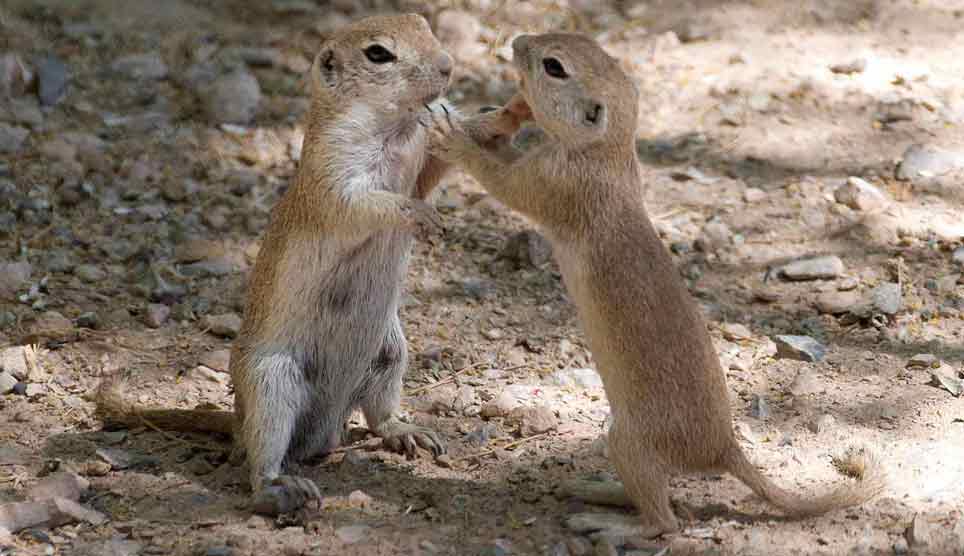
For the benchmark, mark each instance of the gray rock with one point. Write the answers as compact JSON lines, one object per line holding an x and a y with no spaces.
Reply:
{"x":206,"y":269}
{"x":822,"y":423}
{"x":817,"y":268}
{"x":219,"y":551}
{"x":227,"y":325}
{"x":87,"y":319}
{"x":13,"y":275}
{"x":759,"y":408}
{"x":7,"y":319}
{"x":12,"y":138}
{"x":800,"y":348}
{"x":575,"y":378}
{"x":90,"y":273}
{"x":144,"y":66}
{"x":754,"y":195}
{"x":901,"y":547}
{"x":7,"y":383}
{"x":835,"y":303}
{"x":25,"y":111}
{"x":112,"y":547}
{"x":958,"y":256}
{"x":52,"y":80}
{"x":716,"y":234}
{"x":121,"y":459}
{"x":501,"y":405}
{"x":527,"y":249}
{"x":232,"y":98}
{"x":860,"y":194}
{"x":925,"y":163}
{"x":59,"y":261}
{"x":15,"y":75}
{"x":59,"y":485}
{"x":13,"y":360}
{"x":534,"y":420}
{"x":219,"y":360}
{"x":501,"y":547}
{"x":735,"y":331}
{"x":477,"y":288}
{"x":16,"y":516}
{"x":156,"y":315}
{"x":351,"y":534}
{"x":199,"y":465}
{"x":887,"y":298}
{"x":483,"y":433}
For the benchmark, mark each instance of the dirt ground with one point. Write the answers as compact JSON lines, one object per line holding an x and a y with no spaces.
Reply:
{"x":137,"y":192}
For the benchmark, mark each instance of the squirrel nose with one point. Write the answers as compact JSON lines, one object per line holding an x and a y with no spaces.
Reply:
{"x":444,"y":64}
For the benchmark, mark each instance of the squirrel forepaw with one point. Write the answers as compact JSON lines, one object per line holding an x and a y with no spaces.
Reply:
{"x":446,"y":138}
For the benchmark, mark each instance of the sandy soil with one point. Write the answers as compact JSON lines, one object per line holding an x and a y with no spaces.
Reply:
{"x":138,"y":211}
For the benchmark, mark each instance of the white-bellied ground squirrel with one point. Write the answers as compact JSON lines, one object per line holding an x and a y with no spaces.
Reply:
{"x":321,"y":334}
{"x":661,"y":374}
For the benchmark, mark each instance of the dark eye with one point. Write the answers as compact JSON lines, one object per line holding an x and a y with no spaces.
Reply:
{"x":378,"y":54}
{"x":554,"y":68}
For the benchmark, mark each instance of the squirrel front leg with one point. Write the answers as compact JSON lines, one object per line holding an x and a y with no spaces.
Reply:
{"x":518,"y":184}
{"x":361,"y":212}
{"x":488,"y":129}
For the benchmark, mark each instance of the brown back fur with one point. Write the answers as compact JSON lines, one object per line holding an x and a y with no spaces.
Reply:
{"x":658,"y":364}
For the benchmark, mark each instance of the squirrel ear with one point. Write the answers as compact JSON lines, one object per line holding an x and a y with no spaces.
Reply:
{"x":324,"y":71}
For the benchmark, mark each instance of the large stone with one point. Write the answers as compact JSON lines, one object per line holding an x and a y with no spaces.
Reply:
{"x":54,"y":512}
{"x":835,"y":303}
{"x":14,"y":361}
{"x":575,"y":378}
{"x":860,"y":194}
{"x":145,"y":66}
{"x":15,"y":75}
{"x":90,"y":273}
{"x":887,"y":298}
{"x":801,"y":348}
{"x":929,"y":163}
{"x":12,"y":138}
{"x":59,"y":485}
{"x":232,"y":98}
{"x":227,"y":325}
{"x":52,"y":80}
{"x":527,"y":248}
{"x":816,"y":268}
{"x":7,"y":383}
{"x":13,"y":275}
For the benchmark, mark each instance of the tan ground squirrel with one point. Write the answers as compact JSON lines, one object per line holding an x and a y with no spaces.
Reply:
{"x":321,"y":334}
{"x":659,"y":368}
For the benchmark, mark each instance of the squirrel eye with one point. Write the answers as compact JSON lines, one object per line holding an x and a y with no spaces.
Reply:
{"x":378,"y":54}
{"x":554,"y":68}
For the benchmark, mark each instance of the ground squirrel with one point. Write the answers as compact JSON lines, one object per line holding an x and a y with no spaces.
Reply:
{"x":659,"y":368}
{"x":321,"y":334}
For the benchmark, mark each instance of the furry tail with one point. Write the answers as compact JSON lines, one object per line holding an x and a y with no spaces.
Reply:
{"x":859,"y":464}
{"x":112,"y":408}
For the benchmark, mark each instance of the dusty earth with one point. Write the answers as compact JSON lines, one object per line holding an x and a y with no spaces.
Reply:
{"x":141,"y":148}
